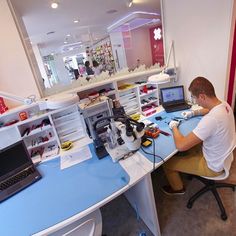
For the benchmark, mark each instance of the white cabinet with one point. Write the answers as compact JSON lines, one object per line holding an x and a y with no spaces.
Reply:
{"x":148,"y":98}
{"x":129,"y":100}
{"x":68,"y":124}
{"x":139,"y":98}
{"x":44,"y":133}
{"x":39,"y":136}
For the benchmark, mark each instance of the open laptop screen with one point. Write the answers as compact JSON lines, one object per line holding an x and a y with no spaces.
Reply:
{"x":172,"y":94}
{"x":13,"y":158}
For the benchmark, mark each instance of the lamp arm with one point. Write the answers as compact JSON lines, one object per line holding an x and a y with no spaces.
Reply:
{"x":172,"y":49}
{"x":29,"y":100}
{"x":169,"y":53}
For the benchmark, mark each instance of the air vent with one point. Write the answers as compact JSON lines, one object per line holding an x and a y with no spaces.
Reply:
{"x":51,"y":32}
{"x":111,"y":11}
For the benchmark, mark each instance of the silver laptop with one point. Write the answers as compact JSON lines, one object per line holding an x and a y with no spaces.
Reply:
{"x":173,"y":99}
{"x":17,"y":170}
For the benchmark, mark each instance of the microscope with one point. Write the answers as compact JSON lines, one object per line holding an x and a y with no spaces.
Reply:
{"x":123,"y":137}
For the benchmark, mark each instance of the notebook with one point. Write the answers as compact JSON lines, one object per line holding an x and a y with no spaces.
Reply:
{"x":173,"y":99}
{"x":17,"y":170}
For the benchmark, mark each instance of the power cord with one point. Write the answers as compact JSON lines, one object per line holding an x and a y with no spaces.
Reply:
{"x":154,"y":153}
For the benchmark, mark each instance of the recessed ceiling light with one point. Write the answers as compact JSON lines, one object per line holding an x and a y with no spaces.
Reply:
{"x":76,"y":21}
{"x":65,"y":42}
{"x":54,"y":5}
{"x":68,"y":35}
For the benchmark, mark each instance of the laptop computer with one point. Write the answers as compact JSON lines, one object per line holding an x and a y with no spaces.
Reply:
{"x":173,"y":99}
{"x":17,"y":170}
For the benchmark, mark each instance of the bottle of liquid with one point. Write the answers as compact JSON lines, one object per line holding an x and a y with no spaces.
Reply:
{"x":110,"y":139}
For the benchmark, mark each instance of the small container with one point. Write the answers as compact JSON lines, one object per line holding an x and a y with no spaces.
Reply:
{"x":23,"y":115}
{"x":145,"y":90}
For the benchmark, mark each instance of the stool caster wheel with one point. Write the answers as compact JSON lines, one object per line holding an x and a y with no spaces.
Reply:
{"x":224,"y":216}
{"x":189,"y":205}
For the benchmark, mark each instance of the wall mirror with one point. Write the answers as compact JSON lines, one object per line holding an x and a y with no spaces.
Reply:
{"x":62,"y":35}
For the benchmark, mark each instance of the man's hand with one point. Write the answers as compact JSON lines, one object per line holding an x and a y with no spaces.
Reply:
{"x":174,"y":123}
{"x":187,"y":114}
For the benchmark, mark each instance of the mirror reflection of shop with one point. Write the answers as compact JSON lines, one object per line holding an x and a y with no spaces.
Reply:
{"x":101,"y":52}
{"x":80,"y":61}
{"x":75,"y":66}
{"x":50,"y":68}
{"x":69,"y":65}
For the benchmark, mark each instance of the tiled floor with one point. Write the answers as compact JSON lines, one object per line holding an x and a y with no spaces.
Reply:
{"x":175,"y":219}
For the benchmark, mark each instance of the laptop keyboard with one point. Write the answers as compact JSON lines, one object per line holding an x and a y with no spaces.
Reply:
{"x":177,"y":107}
{"x":15,"y":179}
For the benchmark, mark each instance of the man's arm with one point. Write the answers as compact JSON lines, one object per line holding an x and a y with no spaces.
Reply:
{"x":200,"y":112}
{"x":184,"y":143}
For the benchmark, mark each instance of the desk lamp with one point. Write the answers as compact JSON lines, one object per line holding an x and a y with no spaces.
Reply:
{"x":54,"y":102}
{"x":27,"y":101}
{"x":164,"y":77}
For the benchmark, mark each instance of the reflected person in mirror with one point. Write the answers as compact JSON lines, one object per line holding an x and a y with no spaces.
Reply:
{"x":89,"y":70}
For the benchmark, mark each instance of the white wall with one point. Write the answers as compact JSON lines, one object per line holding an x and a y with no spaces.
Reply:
{"x":118,"y":49}
{"x":62,"y":72}
{"x":140,"y":48}
{"x":41,"y":66}
{"x":201,"y":33}
{"x":15,"y":72}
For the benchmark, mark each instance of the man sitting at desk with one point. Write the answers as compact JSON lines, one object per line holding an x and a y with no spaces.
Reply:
{"x":215,"y":131}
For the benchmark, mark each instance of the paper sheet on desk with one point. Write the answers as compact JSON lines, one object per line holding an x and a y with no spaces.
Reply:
{"x":75,"y":157}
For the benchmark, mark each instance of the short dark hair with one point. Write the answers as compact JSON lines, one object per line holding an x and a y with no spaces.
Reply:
{"x":201,"y":85}
{"x":87,"y":63}
{"x":95,"y":63}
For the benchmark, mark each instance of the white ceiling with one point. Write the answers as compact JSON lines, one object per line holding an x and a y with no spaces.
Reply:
{"x":40,"y":19}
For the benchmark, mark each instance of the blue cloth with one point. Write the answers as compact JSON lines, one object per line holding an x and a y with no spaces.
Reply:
{"x":164,"y":145}
{"x":60,"y":194}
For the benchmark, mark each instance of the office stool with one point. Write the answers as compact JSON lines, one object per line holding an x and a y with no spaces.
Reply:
{"x":211,"y":184}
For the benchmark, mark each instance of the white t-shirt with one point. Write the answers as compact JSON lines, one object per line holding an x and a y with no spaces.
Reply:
{"x":217,"y":131}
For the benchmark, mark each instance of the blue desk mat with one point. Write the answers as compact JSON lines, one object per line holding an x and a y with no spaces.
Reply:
{"x":164,"y":145}
{"x":60,"y":194}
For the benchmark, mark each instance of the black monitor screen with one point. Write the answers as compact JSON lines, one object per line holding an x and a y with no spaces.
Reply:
{"x":172,"y":94}
{"x":13,"y":157}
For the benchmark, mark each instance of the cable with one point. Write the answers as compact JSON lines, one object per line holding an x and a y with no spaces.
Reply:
{"x":153,"y":154}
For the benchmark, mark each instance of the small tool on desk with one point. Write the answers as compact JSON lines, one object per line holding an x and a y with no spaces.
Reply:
{"x":152,"y":132}
{"x":164,"y":133}
{"x":178,"y":118}
{"x":146,"y":142}
{"x":158,"y":118}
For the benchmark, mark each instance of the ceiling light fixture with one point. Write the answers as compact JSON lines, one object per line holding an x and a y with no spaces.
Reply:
{"x":68,"y":35}
{"x":76,"y":21}
{"x":54,"y":5}
{"x":134,"y":20}
{"x":65,"y":42}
